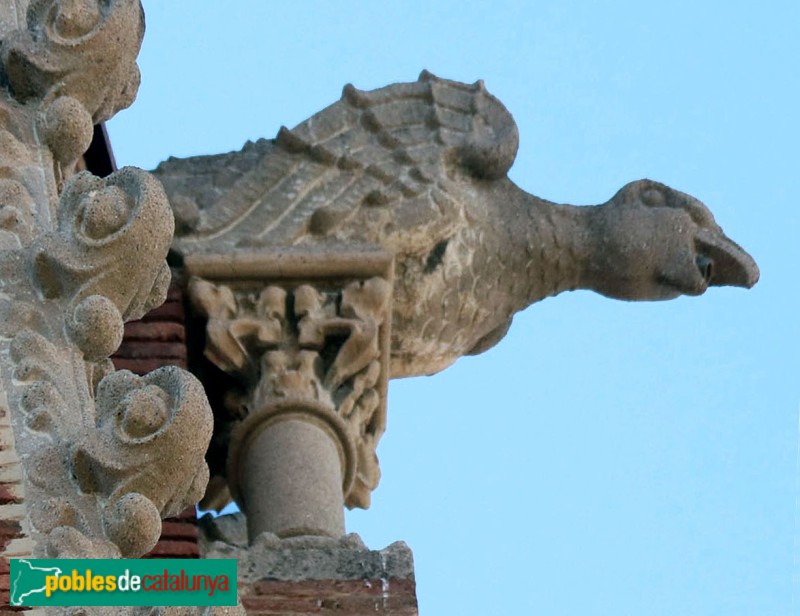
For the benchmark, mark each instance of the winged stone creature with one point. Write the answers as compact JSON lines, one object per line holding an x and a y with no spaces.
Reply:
{"x":419,"y":169}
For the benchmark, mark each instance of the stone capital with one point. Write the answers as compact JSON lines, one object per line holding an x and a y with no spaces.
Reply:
{"x":305,"y":337}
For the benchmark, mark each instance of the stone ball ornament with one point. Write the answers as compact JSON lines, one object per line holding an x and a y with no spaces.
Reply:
{"x":113,"y":235}
{"x":138,"y":419}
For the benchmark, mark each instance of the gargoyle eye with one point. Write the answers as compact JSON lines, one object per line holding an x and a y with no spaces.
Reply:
{"x":706,"y":267}
{"x":653,"y":197}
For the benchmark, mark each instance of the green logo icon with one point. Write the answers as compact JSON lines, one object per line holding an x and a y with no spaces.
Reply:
{"x":44,"y":582}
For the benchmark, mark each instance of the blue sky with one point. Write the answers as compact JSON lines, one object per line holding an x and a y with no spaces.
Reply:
{"x":606,"y":458}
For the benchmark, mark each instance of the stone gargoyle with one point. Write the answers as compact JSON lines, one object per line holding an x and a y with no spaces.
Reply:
{"x":419,"y":169}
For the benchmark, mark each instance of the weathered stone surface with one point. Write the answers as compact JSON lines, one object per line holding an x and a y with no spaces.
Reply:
{"x":419,"y":170}
{"x":104,"y":455}
{"x":313,"y":575}
{"x":230,"y":529}
{"x":90,"y":459}
{"x":85,"y":50}
{"x":396,"y":597}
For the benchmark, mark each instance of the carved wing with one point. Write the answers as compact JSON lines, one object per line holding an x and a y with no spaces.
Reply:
{"x":379,"y":167}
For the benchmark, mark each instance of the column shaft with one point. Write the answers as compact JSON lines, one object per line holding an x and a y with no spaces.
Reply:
{"x":291,"y":481}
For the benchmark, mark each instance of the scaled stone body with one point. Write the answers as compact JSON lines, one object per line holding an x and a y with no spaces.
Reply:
{"x":419,"y":169}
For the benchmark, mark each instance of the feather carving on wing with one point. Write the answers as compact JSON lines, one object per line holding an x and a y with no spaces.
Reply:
{"x":379,"y":167}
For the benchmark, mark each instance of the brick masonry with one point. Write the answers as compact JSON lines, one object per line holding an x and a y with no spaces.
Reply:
{"x":159,"y":339}
{"x":341,"y":597}
{"x":178,"y":537}
{"x":14,"y":539}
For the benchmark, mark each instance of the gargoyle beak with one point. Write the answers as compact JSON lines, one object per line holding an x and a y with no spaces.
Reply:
{"x":732,"y":266}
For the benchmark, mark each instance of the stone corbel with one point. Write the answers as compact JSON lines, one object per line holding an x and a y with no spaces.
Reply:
{"x":305,"y":337}
{"x":103,"y":455}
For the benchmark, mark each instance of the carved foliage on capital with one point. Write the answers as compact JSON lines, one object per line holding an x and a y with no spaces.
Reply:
{"x":322,"y":346}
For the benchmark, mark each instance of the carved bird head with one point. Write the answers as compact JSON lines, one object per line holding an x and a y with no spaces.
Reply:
{"x":652,"y":242}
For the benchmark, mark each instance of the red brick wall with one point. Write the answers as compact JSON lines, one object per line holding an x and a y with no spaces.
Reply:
{"x":159,"y":339}
{"x":340,"y":597}
{"x":13,"y":542}
{"x":178,"y":537}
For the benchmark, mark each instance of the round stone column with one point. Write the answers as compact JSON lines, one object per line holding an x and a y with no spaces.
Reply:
{"x":289,"y":466}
